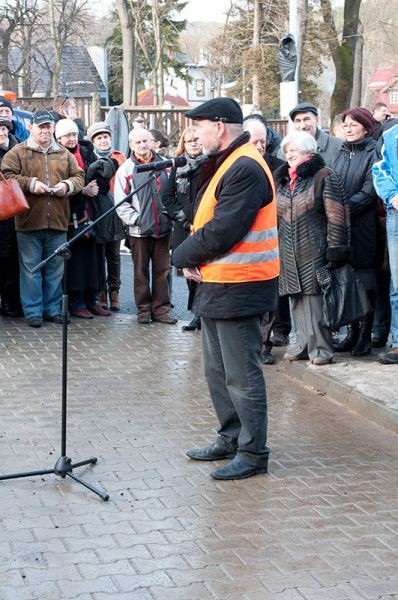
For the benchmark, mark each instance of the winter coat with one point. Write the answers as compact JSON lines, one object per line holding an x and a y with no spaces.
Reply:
{"x":179,"y":195}
{"x":27,"y":163}
{"x":7,"y":227}
{"x":385,"y":171}
{"x":109,"y":229}
{"x":313,"y":222}
{"x":240,"y":194}
{"x":144,"y":216}
{"x":353,"y":163}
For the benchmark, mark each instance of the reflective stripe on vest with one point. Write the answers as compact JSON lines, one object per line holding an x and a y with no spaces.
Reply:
{"x":256,"y":256}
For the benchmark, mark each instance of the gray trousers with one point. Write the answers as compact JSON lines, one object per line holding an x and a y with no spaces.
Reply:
{"x":311,"y":335}
{"x":231,"y":357}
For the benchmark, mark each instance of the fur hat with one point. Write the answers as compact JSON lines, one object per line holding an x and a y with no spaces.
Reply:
{"x":65,"y":126}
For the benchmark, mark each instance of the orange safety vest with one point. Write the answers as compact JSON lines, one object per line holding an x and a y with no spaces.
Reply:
{"x":256,"y":256}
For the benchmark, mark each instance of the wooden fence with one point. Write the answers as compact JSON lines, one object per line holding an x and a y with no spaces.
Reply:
{"x":171,"y":121}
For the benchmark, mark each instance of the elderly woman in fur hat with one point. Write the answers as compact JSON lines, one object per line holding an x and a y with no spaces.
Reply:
{"x":313,"y":221}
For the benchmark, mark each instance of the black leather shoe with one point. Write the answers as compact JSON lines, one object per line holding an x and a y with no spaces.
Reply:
{"x":279,"y":340}
{"x":379,"y":342}
{"x":212,"y":452}
{"x":267,"y":358}
{"x":56,"y":319}
{"x":239,"y":468}
{"x":193,"y":325}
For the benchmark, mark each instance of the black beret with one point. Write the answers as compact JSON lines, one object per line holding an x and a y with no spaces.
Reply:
{"x":303,"y":107}
{"x":226,"y":110}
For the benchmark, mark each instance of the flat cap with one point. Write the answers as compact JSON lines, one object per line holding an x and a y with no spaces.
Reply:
{"x":303,"y":107}
{"x":98,"y":127}
{"x":226,"y":110}
{"x":41,"y":116}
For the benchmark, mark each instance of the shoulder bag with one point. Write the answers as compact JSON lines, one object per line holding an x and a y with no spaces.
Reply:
{"x":12,"y":199}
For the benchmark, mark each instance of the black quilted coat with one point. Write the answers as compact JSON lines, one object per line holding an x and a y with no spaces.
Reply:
{"x":313,"y":224}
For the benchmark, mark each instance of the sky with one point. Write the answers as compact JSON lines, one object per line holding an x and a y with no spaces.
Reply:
{"x":205,"y":10}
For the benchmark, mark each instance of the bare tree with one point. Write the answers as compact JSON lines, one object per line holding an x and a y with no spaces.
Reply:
{"x":342,"y":52}
{"x":128,"y":42}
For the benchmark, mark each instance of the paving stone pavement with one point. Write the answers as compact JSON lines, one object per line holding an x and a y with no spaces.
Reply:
{"x":322,"y":525}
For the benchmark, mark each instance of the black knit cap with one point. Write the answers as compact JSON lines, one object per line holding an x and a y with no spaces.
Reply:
{"x":226,"y":110}
{"x":7,"y":103}
{"x":302,"y":108}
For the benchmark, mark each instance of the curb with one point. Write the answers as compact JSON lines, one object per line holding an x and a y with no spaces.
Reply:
{"x":344,"y":394}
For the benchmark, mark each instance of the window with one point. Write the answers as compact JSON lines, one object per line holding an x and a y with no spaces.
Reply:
{"x":200,"y":87}
{"x":393,"y":97}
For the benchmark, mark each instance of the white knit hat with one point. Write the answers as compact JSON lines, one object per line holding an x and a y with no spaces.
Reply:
{"x":65,"y":126}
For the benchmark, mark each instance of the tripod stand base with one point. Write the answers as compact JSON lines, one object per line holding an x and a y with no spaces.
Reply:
{"x":63,"y":468}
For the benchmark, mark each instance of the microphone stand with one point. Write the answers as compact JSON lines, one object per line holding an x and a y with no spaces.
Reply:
{"x":64,"y":467}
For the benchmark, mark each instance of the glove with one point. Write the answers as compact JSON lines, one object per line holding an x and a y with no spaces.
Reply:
{"x":181,"y":217}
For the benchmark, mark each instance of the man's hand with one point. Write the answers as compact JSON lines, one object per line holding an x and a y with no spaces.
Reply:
{"x":40,"y":188}
{"x":394,"y":202}
{"x":192,"y":273}
{"x":61,"y":189}
{"x":91,"y":189}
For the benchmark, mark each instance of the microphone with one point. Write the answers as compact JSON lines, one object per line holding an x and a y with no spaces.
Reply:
{"x":159,"y":165}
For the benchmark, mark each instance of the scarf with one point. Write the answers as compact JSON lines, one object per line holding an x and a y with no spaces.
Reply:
{"x":103,"y":154}
{"x":183,"y":179}
{"x":293,"y":171}
{"x":78,"y":155}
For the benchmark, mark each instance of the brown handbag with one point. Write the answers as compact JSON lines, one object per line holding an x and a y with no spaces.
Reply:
{"x":12,"y":199}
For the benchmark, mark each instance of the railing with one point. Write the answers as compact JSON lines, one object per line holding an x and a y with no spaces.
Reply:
{"x":171,"y":121}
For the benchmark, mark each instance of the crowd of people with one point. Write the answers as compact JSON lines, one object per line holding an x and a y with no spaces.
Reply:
{"x":336,"y":199}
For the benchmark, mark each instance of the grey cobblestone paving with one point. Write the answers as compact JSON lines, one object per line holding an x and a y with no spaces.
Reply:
{"x":322,"y":525}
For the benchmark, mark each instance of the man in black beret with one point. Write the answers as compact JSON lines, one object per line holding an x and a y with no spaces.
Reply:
{"x":305,"y":117}
{"x":233,"y":257}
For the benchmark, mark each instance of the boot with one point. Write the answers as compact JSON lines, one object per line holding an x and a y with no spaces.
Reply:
{"x":194,"y":325}
{"x":350,"y":340}
{"x":114,"y":299}
{"x":103,"y":299}
{"x":364,"y":343}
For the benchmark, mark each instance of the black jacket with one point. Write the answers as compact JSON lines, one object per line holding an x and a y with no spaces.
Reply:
{"x":7,"y":227}
{"x":353,"y":163}
{"x":241,"y":192}
{"x":179,"y":195}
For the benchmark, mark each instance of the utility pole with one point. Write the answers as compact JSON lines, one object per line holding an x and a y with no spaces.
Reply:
{"x":289,"y":89}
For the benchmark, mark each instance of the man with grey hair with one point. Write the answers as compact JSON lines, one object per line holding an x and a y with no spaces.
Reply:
{"x":233,"y":256}
{"x":305,"y":117}
{"x":149,"y":230}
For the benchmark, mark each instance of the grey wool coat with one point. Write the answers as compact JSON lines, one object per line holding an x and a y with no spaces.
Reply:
{"x":313,"y":224}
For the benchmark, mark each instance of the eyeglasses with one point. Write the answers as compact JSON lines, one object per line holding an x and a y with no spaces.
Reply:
{"x":351,"y":125}
{"x":69,"y":136}
{"x":194,"y":141}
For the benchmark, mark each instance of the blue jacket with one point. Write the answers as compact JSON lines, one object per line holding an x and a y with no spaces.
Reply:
{"x":385,"y":171}
{"x":19,"y":131}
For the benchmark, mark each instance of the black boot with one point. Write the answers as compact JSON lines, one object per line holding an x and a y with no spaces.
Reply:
{"x":364,"y":343}
{"x":350,"y":340}
{"x":194,"y":325}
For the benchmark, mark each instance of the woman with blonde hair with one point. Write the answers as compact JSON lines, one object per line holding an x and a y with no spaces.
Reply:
{"x":179,"y":195}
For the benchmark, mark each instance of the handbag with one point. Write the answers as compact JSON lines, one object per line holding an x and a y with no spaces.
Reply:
{"x":344,"y":296}
{"x":12,"y":199}
{"x":76,"y":226}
